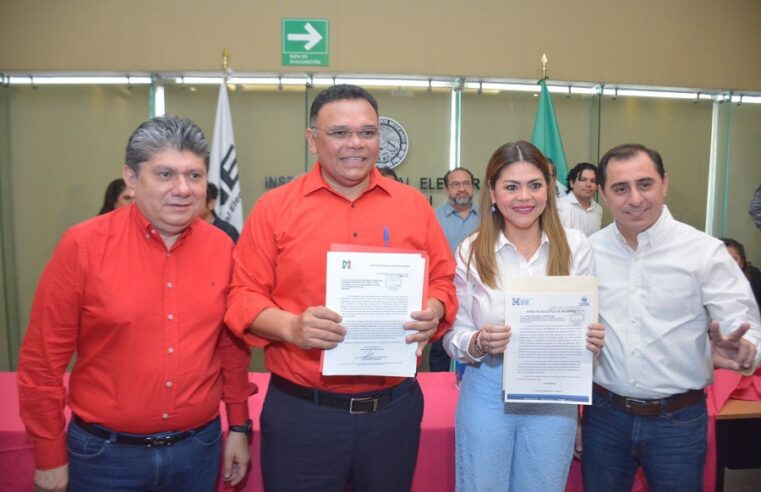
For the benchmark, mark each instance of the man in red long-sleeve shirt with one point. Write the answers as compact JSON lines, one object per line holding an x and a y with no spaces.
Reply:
{"x":139,"y":294}
{"x":322,"y":432}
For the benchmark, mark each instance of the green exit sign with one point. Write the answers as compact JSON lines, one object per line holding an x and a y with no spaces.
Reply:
{"x":305,"y":42}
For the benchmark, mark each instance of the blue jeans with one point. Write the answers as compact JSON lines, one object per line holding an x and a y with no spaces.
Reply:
{"x":97,"y":464}
{"x":671,"y":448}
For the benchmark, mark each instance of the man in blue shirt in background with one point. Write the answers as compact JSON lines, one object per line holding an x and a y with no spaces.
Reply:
{"x":458,"y":218}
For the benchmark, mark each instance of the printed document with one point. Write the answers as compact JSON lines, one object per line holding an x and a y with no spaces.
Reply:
{"x":374,"y":292}
{"x":546,"y":360}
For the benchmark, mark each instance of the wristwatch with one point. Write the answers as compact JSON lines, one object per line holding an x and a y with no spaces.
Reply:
{"x":245,"y":428}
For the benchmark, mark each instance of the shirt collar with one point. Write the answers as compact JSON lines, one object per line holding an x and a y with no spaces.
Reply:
{"x":149,"y":231}
{"x":654,"y":233}
{"x":314,"y":181}
{"x":574,"y":200}
{"x":449,"y":209}
{"x":502,"y":241}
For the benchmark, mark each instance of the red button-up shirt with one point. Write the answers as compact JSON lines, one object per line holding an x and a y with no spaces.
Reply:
{"x":281,"y":258}
{"x":152,"y":352}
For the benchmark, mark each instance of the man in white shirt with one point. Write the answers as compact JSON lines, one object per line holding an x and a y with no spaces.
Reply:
{"x":664,"y":286}
{"x":577,"y":209}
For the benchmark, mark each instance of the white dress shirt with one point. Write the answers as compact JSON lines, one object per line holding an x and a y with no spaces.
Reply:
{"x":656,"y":304}
{"x":481,"y":305}
{"x":573,"y":215}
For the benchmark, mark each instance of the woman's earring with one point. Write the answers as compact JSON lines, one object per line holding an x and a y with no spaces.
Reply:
{"x":493,"y":208}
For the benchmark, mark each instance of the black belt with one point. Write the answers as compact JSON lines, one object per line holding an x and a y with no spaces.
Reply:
{"x":651,"y":408}
{"x":354,"y":404}
{"x":136,"y":439}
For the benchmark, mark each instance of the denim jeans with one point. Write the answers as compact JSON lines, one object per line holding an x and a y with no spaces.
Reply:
{"x":97,"y":464}
{"x":671,"y":448}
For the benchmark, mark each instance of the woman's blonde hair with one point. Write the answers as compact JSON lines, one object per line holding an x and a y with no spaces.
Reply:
{"x":493,"y":223}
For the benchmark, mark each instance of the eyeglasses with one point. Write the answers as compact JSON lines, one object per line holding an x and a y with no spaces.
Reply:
{"x":460,"y":184}
{"x":344,"y":133}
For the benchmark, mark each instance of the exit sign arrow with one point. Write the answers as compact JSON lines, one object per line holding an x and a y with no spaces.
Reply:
{"x":312,"y":37}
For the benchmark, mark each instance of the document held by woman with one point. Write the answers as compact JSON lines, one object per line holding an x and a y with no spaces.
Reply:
{"x":546,"y":360}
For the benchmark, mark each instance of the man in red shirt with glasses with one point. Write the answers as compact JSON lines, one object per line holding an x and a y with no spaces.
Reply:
{"x":139,"y":294}
{"x":324,"y":432}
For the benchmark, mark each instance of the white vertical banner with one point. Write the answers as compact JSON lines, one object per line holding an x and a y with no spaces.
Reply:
{"x":223,"y":164}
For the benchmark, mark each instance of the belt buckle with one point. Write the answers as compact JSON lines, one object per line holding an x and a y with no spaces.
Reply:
{"x":151,"y":442}
{"x":366,"y":398}
{"x":628,"y":402}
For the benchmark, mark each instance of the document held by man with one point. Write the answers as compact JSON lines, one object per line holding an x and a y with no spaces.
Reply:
{"x":547,"y":360}
{"x":374,"y":292}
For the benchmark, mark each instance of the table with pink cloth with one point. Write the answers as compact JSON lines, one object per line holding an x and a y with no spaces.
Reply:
{"x":435,"y":465}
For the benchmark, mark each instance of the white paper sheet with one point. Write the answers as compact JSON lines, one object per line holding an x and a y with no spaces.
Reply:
{"x":547,"y":360}
{"x":374,"y":293}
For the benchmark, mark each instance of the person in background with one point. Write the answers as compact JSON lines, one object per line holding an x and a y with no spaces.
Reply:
{"x":559,"y":189}
{"x":578,"y":209}
{"x":754,"y":209}
{"x":458,"y":218}
{"x":674,"y":306}
{"x":207,"y":213}
{"x":737,"y":252}
{"x":117,"y":195}
{"x":511,"y":446}
{"x":324,"y":433}
{"x":139,"y":295}
{"x":387,"y":172}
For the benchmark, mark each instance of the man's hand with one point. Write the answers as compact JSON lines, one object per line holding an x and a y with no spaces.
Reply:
{"x":54,"y":480}
{"x":494,"y":338}
{"x":595,"y":338}
{"x":731,"y":351}
{"x":237,"y":457}
{"x":317,"y":327}
{"x":425,"y":323}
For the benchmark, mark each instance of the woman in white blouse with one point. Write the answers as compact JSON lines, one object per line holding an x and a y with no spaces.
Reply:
{"x":511,"y":446}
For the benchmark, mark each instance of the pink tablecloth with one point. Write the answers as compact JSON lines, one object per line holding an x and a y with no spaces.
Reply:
{"x":435,"y":466}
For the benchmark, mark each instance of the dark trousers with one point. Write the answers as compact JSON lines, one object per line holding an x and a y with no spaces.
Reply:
{"x":310,"y":447}
{"x":438,"y":358}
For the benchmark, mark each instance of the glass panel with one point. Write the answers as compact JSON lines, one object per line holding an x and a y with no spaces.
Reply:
{"x":67,"y":145}
{"x":9,"y":332}
{"x":425,"y":117}
{"x":269,"y":130}
{"x":744,"y":176}
{"x":716,"y":193}
{"x":491,"y":118}
{"x":680,"y":130}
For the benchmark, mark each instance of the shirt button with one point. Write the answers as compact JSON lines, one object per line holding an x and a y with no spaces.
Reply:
{"x":169,"y":285}
{"x":170,"y":350}
{"x":169,"y":253}
{"x":355,"y":234}
{"x":171,"y":316}
{"x":353,"y":206}
{"x":165,"y":416}
{"x":168,"y":384}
